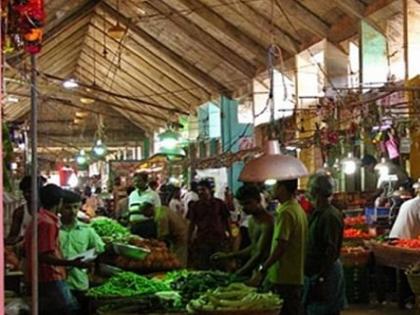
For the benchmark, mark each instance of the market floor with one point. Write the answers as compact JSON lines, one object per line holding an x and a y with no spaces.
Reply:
{"x":378,"y":310}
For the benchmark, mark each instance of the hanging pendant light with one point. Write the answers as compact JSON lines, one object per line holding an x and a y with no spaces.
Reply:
{"x":273,"y":165}
{"x":81,"y":158}
{"x":349,"y":164}
{"x":169,"y":140}
{"x":99,"y":150}
{"x":117,"y":31}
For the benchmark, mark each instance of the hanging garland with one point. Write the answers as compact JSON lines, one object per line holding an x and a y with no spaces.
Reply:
{"x":23,"y":22}
{"x":31,"y":22}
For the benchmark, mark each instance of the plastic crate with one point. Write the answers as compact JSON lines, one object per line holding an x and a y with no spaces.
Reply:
{"x":373,"y":214}
{"x":357,"y":284}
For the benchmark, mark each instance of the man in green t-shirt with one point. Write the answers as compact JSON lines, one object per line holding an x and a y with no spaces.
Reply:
{"x":76,"y":238}
{"x":261,"y":224}
{"x":284,"y":268}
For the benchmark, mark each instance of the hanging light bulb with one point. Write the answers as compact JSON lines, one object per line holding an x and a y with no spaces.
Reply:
{"x":100,"y":149}
{"x":349,"y":164}
{"x":169,"y":140}
{"x":270,"y":182}
{"x":81,"y":158}
{"x":70,"y":84}
{"x":382,"y":168}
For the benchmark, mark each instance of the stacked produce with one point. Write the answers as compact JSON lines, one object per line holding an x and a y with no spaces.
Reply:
{"x":127,"y":284}
{"x":234,"y":297}
{"x":159,"y":258}
{"x":359,"y":220}
{"x":192,"y":284}
{"x":410,"y":244}
{"x":352,"y":233}
{"x":142,"y":305}
{"x":110,"y":230}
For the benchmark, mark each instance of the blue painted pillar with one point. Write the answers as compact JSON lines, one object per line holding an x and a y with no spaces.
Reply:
{"x":232,"y":132}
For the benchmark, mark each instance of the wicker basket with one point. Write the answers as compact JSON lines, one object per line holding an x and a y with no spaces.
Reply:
{"x":414,"y":281}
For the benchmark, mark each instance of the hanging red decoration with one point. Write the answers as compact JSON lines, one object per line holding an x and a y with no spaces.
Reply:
{"x":31,"y":22}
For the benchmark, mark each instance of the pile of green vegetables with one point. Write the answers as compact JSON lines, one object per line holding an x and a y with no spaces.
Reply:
{"x":127,"y":284}
{"x":236,"y":296}
{"x":191,"y":284}
{"x":110,"y":230}
{"x":141,"y":305}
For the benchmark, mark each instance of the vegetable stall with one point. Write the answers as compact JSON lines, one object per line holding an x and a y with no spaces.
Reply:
{"x":142,"y":276}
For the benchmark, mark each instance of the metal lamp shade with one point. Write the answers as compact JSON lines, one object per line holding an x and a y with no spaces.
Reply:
{"x":273,"y":165}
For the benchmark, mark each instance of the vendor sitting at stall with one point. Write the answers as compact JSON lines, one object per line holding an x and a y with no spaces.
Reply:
{"x":77,"y":238}
{"x":172,"y":228}
{"x":260,"y":226}
{"x":407,"y":224}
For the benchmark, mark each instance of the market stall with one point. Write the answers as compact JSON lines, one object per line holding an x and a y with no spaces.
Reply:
{"x":141,"y":276}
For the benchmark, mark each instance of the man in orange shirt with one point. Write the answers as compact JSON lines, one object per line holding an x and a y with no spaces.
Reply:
{"x":54,"y":294}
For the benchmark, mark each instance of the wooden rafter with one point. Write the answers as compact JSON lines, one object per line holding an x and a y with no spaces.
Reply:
{"x":349,"y":25}
{"x":161,"y":69}
{"x":84,"y":74}
{"x":353,"y":8}
{"x":204,"y":39}
{"x":226,"y":28}
{"x":160,"y":83}
{"x":286,"y":41}
{"x":304,"y":18}
{"x":105,"y":69}
{"x":167,"y":55}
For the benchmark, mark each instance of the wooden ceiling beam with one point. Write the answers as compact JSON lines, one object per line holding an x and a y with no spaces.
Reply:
{"x":227,"y":28}
{"x":286,"y":41}
{"x":348,"y":26}
{"x":76,"y":31}
{"x":124,"y":79}
{"x":303,"y":18}
{"x":84,"y":74}
{"x":60,"y":56}
{"x":204,"y":39}
{"x":202,"y":93}
{"x":167,"y":55}
{"x":353,"y":8}
{"x":137,"y":65}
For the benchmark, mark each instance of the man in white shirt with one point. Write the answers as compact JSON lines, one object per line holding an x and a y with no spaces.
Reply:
{"x":407,"y":224}
{"x":152,"y":191}
{"x":190,"y":195}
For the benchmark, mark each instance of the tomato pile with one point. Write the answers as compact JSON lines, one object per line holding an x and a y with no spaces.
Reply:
{"x":413,"y":244}
{"x":355,"y":233}
{"x":357,"y":220}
